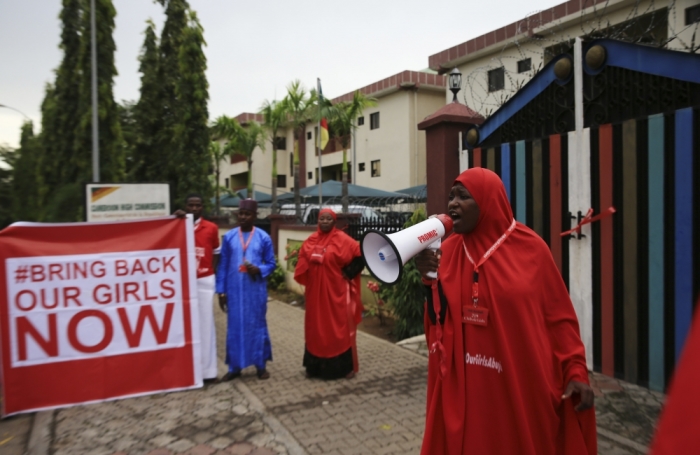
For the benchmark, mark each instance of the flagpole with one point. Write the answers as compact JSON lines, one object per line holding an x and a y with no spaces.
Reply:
{"x":318,"y":144}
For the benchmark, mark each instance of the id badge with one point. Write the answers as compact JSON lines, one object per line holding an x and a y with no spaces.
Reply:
{"x":317,"y":255}
{"x":475,"y":315}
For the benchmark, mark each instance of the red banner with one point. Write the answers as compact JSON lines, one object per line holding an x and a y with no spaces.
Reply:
{"x":96,"y":311}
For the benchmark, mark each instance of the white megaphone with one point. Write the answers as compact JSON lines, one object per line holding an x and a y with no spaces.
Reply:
{"x":385,"y":255}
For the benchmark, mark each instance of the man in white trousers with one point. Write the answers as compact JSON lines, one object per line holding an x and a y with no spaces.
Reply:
{"x":206,"y":241}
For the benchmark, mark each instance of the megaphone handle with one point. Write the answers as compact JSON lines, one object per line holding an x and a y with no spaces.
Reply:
{"x":434,"y":246}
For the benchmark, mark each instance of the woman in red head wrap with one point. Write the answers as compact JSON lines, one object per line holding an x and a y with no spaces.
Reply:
{"x":507,"y":372}
{"x":329,"y":266}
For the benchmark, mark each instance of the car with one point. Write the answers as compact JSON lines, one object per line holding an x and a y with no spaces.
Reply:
{"x":309,"y":212}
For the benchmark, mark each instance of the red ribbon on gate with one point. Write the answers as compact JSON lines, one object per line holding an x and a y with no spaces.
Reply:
{"x":589,"y":218}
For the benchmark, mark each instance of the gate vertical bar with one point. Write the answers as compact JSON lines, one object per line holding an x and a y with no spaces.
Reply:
{"x":607,"y":278}
{"x":581,"y":250}
{"x":520,"y":183}
{"x":505,"y":169}
{"x":683,"y":225}
{"x":656,"y":252}
{"x":555,"y":199}
{"x":630,"y":247}
{"x":537,"y":190}
{"x":477,"y":157}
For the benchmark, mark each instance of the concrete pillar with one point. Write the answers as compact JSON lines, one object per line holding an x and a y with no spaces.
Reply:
{"x":442,"y":150}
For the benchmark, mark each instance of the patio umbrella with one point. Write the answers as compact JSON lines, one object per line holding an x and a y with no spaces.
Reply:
{"x":419,"y":192}
{"x":259,"y":195}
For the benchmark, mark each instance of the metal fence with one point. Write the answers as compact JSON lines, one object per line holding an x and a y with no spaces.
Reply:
{"x":358,"y":226}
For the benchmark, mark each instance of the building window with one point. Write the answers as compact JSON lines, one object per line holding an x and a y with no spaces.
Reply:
{"x":361,"y":167}
{"x":497,"y":79}
{"x":360,"y":121}
{"x":376,"y":168}
{"x":309,"y":175}
{"x":308,"y":135}
{"x":374,"y":121}
{"x":281,"y":181}
{"x":692,"y":15}
{"x":281,"y":143}
{"x":226,"y":180}
{"x":524,"y":65}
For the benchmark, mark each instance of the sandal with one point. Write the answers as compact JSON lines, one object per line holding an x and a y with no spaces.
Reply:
{"x":263,"y":374}
{"x":230,"y":375}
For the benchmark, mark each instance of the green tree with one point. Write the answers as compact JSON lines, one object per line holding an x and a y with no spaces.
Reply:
{"x":25,"y":194}
{"x":299,"y":108}
{"x":149,"y":162}
{"x":241,"y":140}
{"x":127,"y":120}
{"x":59,"y":110}
{"x":192,"y":163}
{"x":342,"y":125}
{"x":168,"y":104}
{"x":111,"y":143}
{"x":7,"y":196}
{"x":217,"y":154}
{"x":274,"y":117}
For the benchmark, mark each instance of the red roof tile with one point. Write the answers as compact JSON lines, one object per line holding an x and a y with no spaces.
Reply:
{"x":395,"y":81}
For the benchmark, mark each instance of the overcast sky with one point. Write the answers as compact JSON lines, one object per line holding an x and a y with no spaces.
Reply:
{"x":254,"y":47}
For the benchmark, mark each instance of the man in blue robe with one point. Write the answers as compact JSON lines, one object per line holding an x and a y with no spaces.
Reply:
{"x":246,"y":260}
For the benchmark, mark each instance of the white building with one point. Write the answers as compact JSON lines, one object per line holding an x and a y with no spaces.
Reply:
{"x":389,"y":152}
{"x":495,"y":65}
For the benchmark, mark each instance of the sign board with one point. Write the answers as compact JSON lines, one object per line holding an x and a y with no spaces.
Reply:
{"x":97,"y":311}
{"x":126,"y":201}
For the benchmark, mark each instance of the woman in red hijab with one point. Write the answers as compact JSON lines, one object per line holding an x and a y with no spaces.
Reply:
{"x":329,"y":266}
{"x":507,"y":372}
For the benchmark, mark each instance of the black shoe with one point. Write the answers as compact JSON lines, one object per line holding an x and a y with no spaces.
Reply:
{"x":263,"y":374}
{"x":211,"y":380}
{"x":230,"y":375}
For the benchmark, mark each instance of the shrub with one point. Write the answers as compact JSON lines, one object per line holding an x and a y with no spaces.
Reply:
{"x":292,"y":248}
{"x":276,"y":279}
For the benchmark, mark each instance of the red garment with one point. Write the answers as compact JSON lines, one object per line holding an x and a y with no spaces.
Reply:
{"x":206,"y":241}
{"x":677,"y":430}
{"x":333,"y":304}
{"x":502,"y":387}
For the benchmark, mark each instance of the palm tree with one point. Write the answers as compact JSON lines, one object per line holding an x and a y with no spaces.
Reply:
{"x":298,"y":107}
{"x":217,"y":154}
{"x":241,"y":140}
{"x":343,"y":124}
{"x":273,"y":117}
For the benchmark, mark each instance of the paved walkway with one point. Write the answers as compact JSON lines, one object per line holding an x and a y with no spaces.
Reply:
{"x":381,"y":411}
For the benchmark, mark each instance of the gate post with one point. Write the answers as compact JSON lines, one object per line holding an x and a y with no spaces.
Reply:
{"x":442,"y":130}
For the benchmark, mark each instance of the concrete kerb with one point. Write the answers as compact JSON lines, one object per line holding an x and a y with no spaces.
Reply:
{"x":40,"y":433}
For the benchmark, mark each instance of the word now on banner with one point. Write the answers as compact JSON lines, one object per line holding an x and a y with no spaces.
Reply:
{"x":85,"y":318}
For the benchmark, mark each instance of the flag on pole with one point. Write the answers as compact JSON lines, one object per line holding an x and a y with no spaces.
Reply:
{"x":324,"y":137}
{"x":324,"y":133}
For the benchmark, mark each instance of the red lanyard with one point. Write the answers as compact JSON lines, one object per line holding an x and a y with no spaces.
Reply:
{"x":240,"y":238}
{"x":488,"y":254}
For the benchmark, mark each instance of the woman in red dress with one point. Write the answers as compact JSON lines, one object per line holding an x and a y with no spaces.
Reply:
{"x":329,"y":267}
{"x":507,"y":372}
